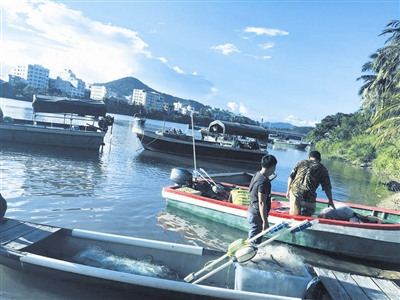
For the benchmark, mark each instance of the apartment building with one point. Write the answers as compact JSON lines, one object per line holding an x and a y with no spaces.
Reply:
{"x":68,"y":83}
{"x":34,"y":75}
{"x":148,"y":99}
{"x":98,"y":92}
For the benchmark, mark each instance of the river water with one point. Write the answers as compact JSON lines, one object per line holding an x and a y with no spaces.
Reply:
{"x":118,"y":190}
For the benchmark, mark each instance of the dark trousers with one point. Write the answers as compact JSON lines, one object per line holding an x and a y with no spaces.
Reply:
{"x":255,"y":227}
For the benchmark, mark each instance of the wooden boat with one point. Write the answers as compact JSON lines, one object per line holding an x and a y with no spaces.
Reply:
{"x":77,"y":128}
{"x":373,"y":233}
{"x":217,"y":146}
{"x":139,"y":266}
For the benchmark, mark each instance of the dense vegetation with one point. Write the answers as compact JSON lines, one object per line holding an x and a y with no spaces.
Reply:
{"x":370,"y":136}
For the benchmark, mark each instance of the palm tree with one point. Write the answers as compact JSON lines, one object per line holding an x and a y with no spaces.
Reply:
{"x":387,"y":122}
{"x":381,"y":88}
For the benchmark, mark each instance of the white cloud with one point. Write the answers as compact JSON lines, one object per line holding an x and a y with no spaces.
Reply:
{"x":178,"y":70}
{"x":58,"y":38}
{"x":263,"y":57}
{"x":265,"y":31}
{"x":239,"y":108}
{"x":242,"y":109}
{"x":266,"y":46}
{"x":297,"y":122}
{"x":163,"y":60}
{"x":232,"y":106}
{"x":226,"y":49}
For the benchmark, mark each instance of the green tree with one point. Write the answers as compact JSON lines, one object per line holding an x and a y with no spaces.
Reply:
{"x":382,"y":82}
{"x":381,"y":89}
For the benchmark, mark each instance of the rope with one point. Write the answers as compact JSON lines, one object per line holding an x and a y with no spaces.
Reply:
{"x":141,"y":141}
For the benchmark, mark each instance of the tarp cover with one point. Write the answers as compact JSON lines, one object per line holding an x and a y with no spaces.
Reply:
{"x":231,"y":128}
{"x":81,"y":107}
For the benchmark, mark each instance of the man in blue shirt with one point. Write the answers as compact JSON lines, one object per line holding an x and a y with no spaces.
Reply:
{"x":260,"y":198}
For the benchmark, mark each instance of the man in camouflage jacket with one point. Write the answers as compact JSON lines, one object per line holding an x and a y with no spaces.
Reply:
{"x":303,"y":182}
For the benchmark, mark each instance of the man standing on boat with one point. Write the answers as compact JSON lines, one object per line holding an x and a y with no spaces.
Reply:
{"x":303,"y":182}
{"x":260,"y":197}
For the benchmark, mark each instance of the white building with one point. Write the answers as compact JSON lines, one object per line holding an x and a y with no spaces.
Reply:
{"x":178,"y":106}
{"x":69,"y":84}
{"x":184,"y":110}
{"x":148,"y":99}
{"x":34,"y":75}
{"x":98,"y":92}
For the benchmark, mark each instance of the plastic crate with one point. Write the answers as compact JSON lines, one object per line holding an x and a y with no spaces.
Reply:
{"x":241,"y":197}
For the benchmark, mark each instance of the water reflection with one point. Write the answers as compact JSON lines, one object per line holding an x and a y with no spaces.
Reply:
{"x":355,"y":184}
{"x":34,"y":168}
{"x":198,"y":231}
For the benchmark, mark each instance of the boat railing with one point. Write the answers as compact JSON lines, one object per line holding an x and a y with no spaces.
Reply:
{"x":65,"y":120}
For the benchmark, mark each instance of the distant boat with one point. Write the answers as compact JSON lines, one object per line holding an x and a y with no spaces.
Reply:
{"x":220,"y":141}
{"x":139,"y":119}
{"x":77,"y":128}
{"x":290,"y":144}
{"x":178,"y":143}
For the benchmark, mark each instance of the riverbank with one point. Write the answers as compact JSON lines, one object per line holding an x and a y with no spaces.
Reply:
{"x":392,"y":202}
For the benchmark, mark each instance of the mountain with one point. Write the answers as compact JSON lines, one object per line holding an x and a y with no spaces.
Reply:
{"x":126,"y":85}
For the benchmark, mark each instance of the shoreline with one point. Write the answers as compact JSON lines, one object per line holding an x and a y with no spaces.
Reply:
{"x":391,"y":202}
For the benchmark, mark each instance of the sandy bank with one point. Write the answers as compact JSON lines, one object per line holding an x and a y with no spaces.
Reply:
{"x":392,"y":202}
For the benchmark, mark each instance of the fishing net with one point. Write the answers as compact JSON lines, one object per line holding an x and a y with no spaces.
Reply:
{"x":97,"y":257}
{"x":278,"y":259}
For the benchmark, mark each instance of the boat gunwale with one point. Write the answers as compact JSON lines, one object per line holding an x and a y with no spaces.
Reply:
{"x":377,"y":226}
{"x":51,"y":129}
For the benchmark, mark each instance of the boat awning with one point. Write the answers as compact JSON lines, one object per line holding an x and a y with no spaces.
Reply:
{"x":239,"y":129}
{"x":81,"y":107}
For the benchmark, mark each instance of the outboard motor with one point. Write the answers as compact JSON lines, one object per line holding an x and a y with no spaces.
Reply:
{"x":104,"y":123}
{"x":109,"y":120}
{"x":181,"y":177}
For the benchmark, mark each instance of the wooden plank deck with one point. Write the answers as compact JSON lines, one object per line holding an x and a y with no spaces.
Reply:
{"x":355,"y":287}
{"x":17,"y":235}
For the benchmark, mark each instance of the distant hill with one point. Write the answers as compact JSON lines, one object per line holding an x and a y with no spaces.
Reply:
{"x":126,"y":85}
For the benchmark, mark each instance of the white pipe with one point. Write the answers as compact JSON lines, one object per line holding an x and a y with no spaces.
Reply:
{"x":194,"y":146}
{"x":112,"y":238}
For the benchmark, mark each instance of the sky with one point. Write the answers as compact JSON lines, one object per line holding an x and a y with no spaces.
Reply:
{"x":276,"y":61}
